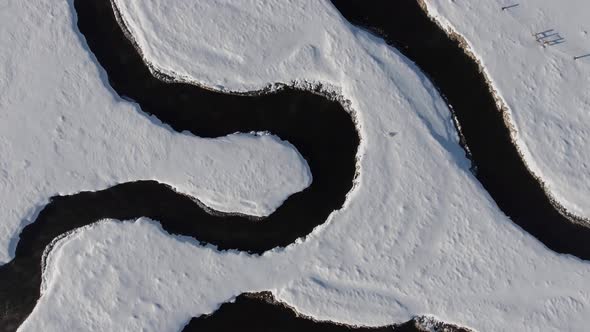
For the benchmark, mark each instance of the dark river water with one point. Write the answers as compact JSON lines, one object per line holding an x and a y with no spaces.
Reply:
{"x":322,"y":131}
{"x":496,"y":162}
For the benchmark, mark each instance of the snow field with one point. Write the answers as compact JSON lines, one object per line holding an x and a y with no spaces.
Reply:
{"x":543,"y":88}
{"x":62,"y":130}
{"x":418,"y":235}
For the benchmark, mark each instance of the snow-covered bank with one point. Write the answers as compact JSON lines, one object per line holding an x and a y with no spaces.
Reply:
{"x":543,"y":88}
{"x":419,"y":235}
{"x":62,"y":131}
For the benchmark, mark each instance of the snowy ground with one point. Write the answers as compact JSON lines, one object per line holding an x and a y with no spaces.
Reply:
{"x":419,"y":235}
{"x":544,"y":88}
{"x":62,"y":130}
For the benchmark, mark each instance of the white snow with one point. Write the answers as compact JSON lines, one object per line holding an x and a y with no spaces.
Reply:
{"x":418,"y":235}
{"x":228,"y":32}
{"x":62,"y":130}
{"x":544,"y":88}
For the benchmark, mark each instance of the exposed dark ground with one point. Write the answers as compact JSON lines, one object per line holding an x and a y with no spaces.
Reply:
{"x":322,"y":131}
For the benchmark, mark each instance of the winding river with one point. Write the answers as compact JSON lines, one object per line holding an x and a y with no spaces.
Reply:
{"x":496,"y":161}
{"x":329,"y":144}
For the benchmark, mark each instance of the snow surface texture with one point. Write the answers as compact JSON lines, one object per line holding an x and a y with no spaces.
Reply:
{"x":545,"y":90}
{"x":62,"y":130}
{"x":418,"y":235}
